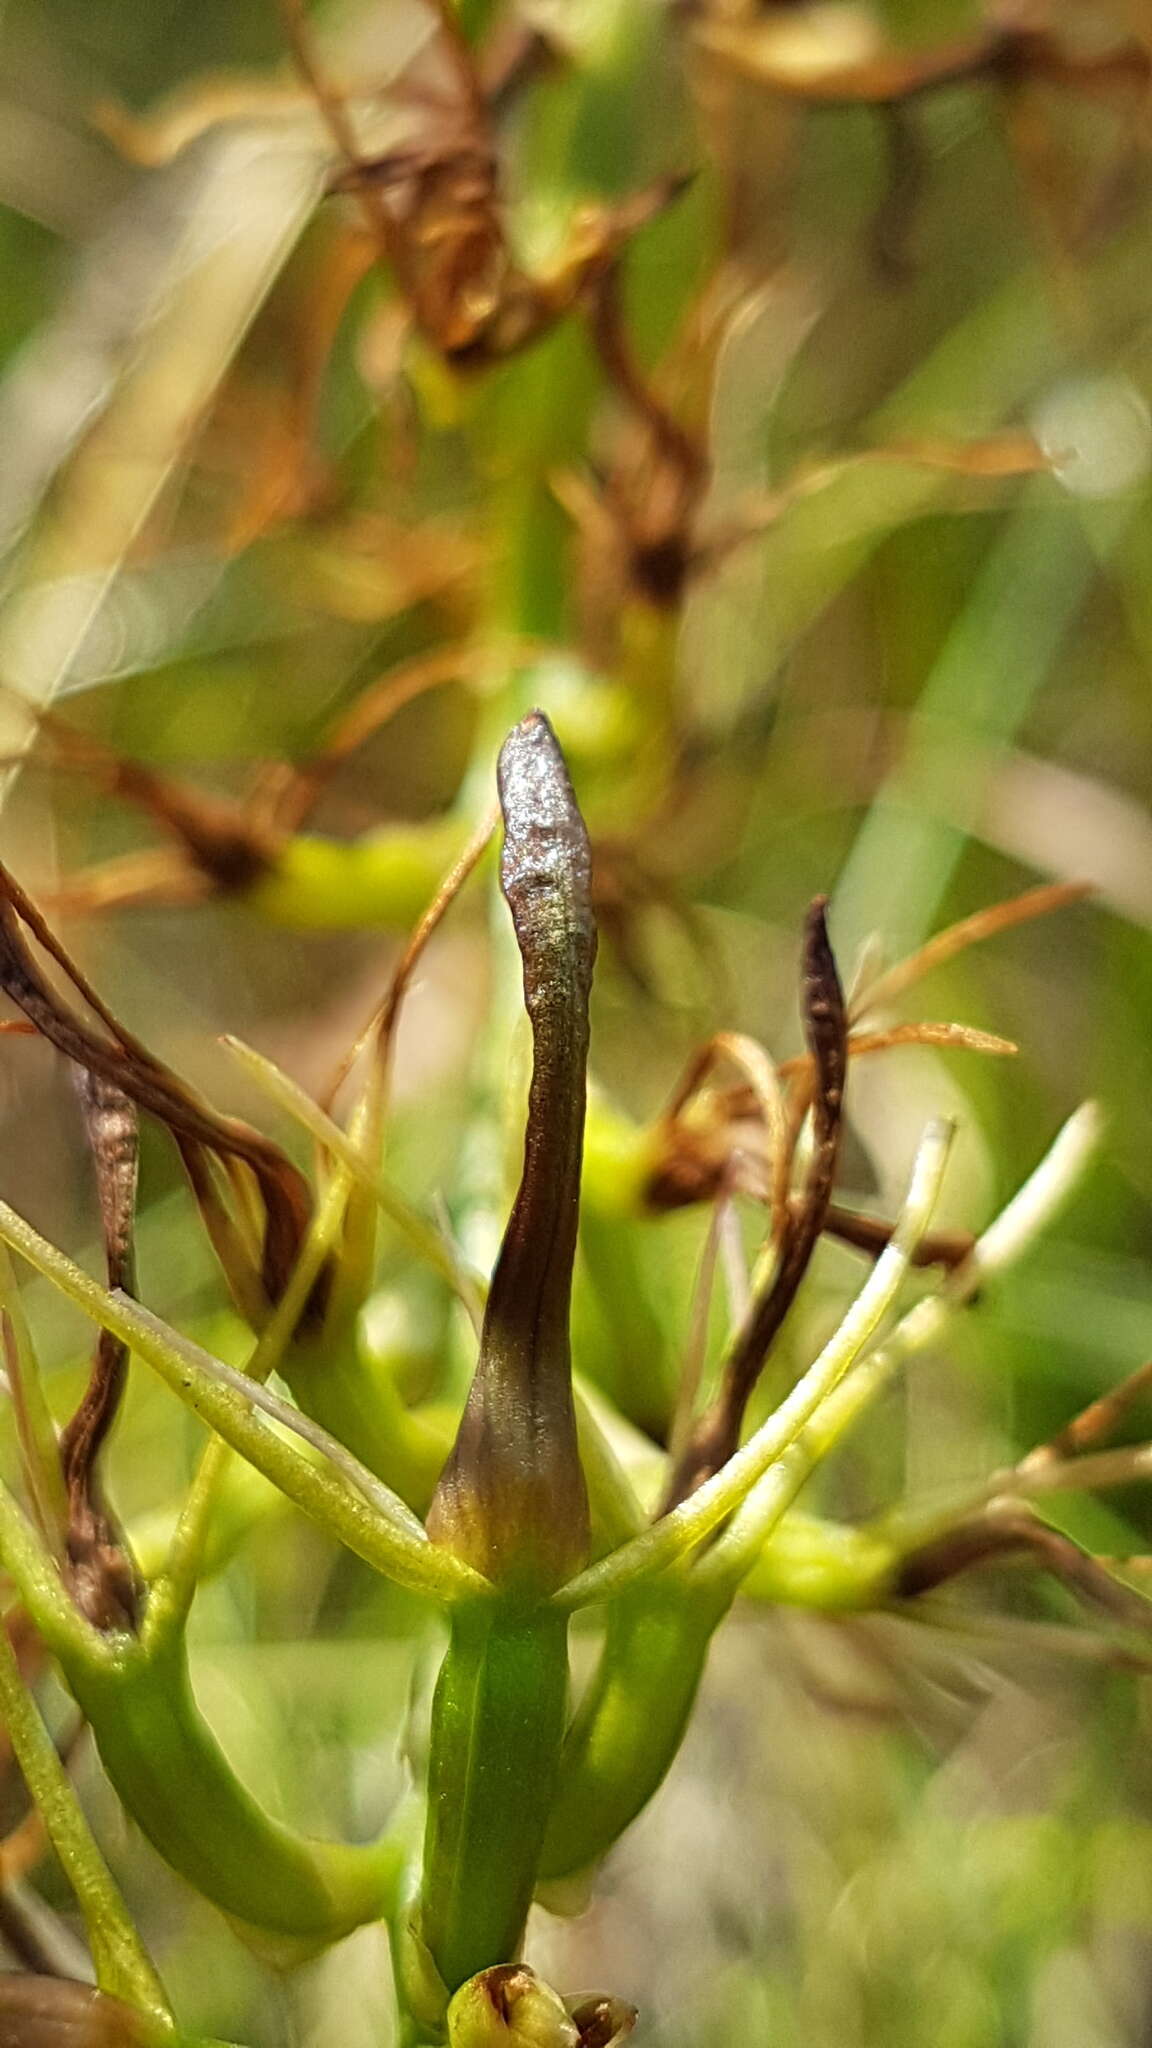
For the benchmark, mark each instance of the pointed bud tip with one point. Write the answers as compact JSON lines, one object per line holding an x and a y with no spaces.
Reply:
{"x":533,"y":780}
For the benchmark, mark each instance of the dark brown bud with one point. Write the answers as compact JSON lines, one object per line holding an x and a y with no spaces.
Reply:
{"x":509,"y":2006}
{"x":511,"y":1499}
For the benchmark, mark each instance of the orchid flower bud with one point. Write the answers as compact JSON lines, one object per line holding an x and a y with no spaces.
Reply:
{"x":511,"y":2007}
{"x":511,"y":1500}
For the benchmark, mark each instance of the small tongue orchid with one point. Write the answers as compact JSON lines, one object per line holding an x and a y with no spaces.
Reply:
{"x":530,"y":1515}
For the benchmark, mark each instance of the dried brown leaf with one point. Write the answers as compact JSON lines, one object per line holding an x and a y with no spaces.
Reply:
{"x":1094,"y":1424}
{"x":100,"y":1572}
{"x":120,"y":1059}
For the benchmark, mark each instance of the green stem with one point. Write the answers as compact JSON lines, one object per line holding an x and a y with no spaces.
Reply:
{"x":122,"y":1966}
{"x":497,"y":1727}
{"x":36,"y":1575}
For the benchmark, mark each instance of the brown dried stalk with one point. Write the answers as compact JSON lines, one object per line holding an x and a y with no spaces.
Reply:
{"x":798,"y":1072}
{"x":872,"y":1234}
{"x":717,"y":1433}
{"x":1004,"y":1525}
{"x":1009,"y":1529}
{"x":653,"y":507}
{"x":1094,"y":1424}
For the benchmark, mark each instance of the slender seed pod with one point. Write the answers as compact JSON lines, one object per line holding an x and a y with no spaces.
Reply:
{"x":625,"y":1736}
{"x":511,"y":1500}
{"x":288,"y":1893}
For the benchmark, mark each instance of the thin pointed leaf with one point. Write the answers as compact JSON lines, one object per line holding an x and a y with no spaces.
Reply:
{"x":678,"y":1533}
{"x":378,"y":1532}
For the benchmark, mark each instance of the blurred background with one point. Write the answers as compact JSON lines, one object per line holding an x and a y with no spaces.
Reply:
{"x":906,"y":308}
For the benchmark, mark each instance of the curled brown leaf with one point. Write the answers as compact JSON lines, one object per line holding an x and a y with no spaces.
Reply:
{"x":117,"y":1057}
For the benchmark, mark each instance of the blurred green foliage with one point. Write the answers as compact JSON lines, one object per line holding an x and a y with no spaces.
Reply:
{"x":231,"y":502}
